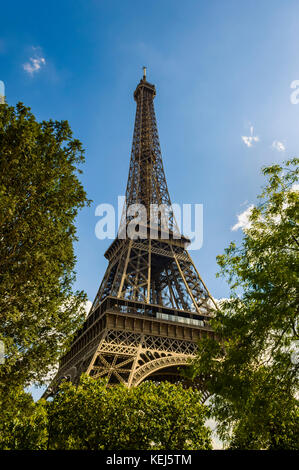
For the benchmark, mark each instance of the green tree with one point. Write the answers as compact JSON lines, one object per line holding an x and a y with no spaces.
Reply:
{"x":150,"y":416}
{"x":24,"y":423}
{"x":251,"y":369}
{"x":40,"y":195}
{"x":94,"y":416}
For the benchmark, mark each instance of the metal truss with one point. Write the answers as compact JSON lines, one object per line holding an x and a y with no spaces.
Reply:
{"x":152,"y":306}
{"x":146,"y":181}
{"x":157,"y":272}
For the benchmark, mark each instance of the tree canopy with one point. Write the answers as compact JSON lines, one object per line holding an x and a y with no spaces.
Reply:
{"x":94,"y":416}
{"x":251,"y":368}
{"x":40,"y":195}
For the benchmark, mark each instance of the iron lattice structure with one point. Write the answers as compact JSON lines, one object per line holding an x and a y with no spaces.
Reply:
{"x":152,"y":306}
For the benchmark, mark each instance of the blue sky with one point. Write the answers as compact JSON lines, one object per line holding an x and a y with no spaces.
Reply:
{"x":222,"y":69}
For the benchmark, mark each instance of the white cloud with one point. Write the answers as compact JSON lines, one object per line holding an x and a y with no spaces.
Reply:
{"x":279,"y":146}
{"x":34,"y":64}
{"x":2,"y":92}
{"x":223,"y":299}
{"x":295,"y":187}
{"x":87,"y":306}
{"x":250,"y":139}
{"x":243,"y":219}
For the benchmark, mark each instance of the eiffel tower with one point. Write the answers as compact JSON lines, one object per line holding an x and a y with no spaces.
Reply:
{"x":152,"y":306}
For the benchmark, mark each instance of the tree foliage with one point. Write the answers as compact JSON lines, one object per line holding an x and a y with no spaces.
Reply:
{"x":93,"y":416}
{"x":252,"y":366}
{"x":24,"y":423}
{"x":40,"y":195}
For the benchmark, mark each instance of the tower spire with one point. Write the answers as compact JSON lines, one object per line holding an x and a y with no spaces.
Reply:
{"x":144,"y":73}
{"x":146,"y":181}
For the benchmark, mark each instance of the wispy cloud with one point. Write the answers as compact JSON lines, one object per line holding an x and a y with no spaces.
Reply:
{"x":279,"y":146}
{"x":243,"y":219}
{"x":35,"y":63}
{"x":250,"y":139}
